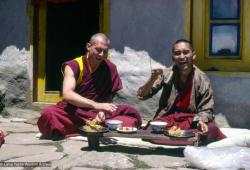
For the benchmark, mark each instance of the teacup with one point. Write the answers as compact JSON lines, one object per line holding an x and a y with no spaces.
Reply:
{"x":158,"y":126}
{"x":114,"y":124}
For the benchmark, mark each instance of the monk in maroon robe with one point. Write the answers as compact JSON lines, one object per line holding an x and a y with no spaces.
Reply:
{"x":89,"y":98}
{"x":187,"y":97}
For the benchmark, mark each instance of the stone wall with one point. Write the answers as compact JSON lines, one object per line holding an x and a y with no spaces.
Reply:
{"x":14,"y":77}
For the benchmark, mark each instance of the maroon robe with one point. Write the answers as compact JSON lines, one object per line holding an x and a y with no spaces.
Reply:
{"x":100,"y":86}
{"x":182,"y":117}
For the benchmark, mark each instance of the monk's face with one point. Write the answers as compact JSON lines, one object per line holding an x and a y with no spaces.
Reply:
{"x":98,"y":49}
{"x":183,"y":56}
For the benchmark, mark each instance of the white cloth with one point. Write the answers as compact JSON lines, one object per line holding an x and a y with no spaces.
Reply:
{"x":235,"y":137}
{"x":222,"y":158}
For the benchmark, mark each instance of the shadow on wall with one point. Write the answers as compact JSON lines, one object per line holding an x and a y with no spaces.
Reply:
{"x":147,"y":25}
{"x":14,"y":21}
{"x":20,"y":46}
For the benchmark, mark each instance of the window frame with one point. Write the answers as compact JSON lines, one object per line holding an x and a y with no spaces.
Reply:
{"x":224,"y":56}
{"x":200,"y":37}
{"x":214,"y":18}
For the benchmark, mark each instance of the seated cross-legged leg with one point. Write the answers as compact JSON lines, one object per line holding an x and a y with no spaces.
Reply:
{"x":55,"y":120}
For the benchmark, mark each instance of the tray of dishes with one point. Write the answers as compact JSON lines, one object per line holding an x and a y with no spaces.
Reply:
{"x":126,"y":129}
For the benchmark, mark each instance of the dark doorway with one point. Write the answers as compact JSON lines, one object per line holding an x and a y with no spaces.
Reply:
{"x":69,"y":27}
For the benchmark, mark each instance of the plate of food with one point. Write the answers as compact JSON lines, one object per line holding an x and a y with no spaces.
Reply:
{"x":126,"y":129}
{"x":178,"y":133}
{"x":93,"y":126}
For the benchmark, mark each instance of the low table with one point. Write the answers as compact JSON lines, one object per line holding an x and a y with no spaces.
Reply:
{"x":93,"y":138}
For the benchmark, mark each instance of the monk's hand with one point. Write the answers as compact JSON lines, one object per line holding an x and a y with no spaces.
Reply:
{"x":141,"y":93}
{"x":203,"y":127}
{"x":100,"y":117}
{"x":145,"y":90}
{"x":155,"y":73}
{"x":106,"y":107}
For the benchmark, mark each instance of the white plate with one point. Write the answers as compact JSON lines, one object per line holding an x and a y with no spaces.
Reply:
{"x":126,"y":129}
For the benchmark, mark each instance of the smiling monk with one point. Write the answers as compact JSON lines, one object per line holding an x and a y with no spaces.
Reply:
{"x":88,"y":89}
{"x":187,"y":97}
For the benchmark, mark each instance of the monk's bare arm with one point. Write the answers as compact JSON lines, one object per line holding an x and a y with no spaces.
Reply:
{"x":146,"y":88}
{"x":69,"y":84}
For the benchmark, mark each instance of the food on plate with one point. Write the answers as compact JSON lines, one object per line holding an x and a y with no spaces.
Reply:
{"x":93,"y":125}
{"x":126,"y":129}
{"x":175,"y":131}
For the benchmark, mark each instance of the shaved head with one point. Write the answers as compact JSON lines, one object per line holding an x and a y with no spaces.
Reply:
{"x":99,"y":35}
{"x":180,"y":41}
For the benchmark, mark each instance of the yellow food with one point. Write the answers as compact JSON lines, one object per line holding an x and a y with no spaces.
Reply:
{"x":92,"y":125}
{"x":175,"y":131}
